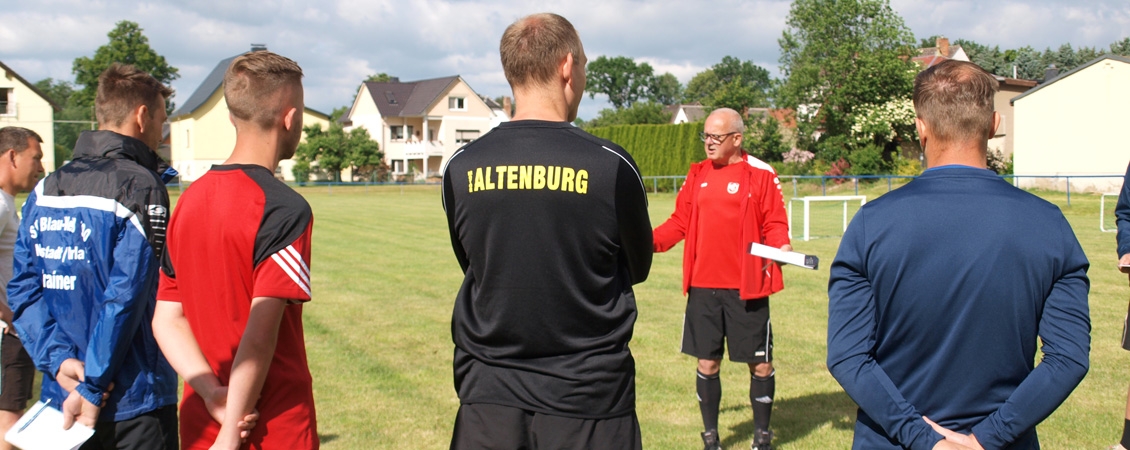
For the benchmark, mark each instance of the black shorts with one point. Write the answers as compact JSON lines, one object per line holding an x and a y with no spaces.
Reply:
{"x":714,"y":314}
{"x":154,"y":430}
{"x":17,"y":373}
{"x":486,"y":426}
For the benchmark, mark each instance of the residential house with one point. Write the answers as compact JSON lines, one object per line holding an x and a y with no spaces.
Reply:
{"x":420,"y":124}
{"x":201,"y":132}
{"x":693,"y":112}
{"x":1069,"y":125}
{"x":931,"y":56}
{"x":23,"y":105}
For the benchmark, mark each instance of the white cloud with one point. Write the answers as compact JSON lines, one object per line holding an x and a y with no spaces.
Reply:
{"x":338,"y":42}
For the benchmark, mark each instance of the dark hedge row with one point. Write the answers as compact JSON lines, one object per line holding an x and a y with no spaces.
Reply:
{"x":659,"y":150}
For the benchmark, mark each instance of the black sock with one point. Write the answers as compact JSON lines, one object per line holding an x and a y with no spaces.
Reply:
{"x":709,"y":388}
{"x":1126,"y":433}
{"x":761,"y":397}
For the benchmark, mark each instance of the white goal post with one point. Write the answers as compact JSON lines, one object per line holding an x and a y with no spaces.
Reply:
{"x":1102,"y":213}
{"x":862,"y":199}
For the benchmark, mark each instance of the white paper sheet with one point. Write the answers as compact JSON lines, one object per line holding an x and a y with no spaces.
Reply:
{"x":45,"y":432}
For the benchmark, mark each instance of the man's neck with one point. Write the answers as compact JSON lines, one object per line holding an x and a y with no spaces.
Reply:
{"x":539,"y":104}
{"x":963,"y":154}
{"x":7,"y":186}
{"x":260,"y":149}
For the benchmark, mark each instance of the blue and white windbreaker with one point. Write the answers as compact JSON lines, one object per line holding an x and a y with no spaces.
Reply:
{"x":85,"y":276}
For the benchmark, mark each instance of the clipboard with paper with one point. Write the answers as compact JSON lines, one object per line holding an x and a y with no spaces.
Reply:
{"x":776,"y":254}
{"x":41,"y":428}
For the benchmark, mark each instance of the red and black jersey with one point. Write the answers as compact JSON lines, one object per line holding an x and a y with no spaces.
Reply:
{"x":238,"y":233}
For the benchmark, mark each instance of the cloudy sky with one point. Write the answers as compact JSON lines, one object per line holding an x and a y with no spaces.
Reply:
{"x":339,"y":42}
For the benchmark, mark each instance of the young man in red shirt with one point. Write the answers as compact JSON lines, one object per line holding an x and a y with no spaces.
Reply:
{"x":229,"y":310}
{"x":728,"y":201}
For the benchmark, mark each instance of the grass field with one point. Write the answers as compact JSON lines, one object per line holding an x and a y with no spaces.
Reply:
{"x":378,"y":333}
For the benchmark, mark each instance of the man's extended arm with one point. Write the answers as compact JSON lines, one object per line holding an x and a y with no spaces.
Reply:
{"x":249,"y":368}
{"x":673,"y":230}
{"x":851,"y":340}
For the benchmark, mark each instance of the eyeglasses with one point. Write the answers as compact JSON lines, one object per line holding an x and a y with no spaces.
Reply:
{"x":719,"y":138}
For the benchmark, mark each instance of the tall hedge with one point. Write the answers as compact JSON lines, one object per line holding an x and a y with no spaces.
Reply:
{"x":659,"y":150}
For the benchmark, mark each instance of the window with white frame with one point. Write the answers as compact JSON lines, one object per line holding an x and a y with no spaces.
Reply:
{"x":399,"y":132}
{"x":465,"y":136}
{"x":7,"y":106}
{"x":457,"y":103}
{"x":397,"y":166}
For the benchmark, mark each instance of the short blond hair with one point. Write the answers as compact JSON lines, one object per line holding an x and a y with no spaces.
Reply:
{"x":253,"y":82}
{"x":955,"y":99}
{"x":532,"y":47}
{"x":121,"y":89}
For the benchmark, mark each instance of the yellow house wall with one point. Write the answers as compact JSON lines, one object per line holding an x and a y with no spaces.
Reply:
{"x":1071,"y":127}
{"x":206,"y":137}
{"x":30,"y":111}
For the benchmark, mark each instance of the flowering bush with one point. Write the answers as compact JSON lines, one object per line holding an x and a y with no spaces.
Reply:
{"x":884,"y":123}
{"x":839,"y":168}
{"x":798,"y":156}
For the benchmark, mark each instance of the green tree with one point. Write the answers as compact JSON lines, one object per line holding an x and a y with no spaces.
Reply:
{"x":335,"y":149}
{"x":1029,"y":63}
{"x":839,"y":54}
{"x":380,"y":77}
{"x":742,"y":84}
{"x":1121,"y":47}
{"x":765,"y":140}
{"x":70,"y":121}
{"x":127,"y":45}
{"x":992,"y":59}
{"x":702,"y":87}
{"x":732,"y":83}
{"x":666,"y":89}
{"x":638,"y":113}
{"x":620,"y":78}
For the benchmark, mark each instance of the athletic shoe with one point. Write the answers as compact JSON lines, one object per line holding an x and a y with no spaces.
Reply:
{"x":710,"y":440}
{"x":762,"y":440}
{"x":1116,"y":447}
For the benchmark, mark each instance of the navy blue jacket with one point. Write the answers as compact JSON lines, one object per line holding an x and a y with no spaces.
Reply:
{"x":1122,"y":216}
{"x":937,"y":296}
{"x":85,"y":277}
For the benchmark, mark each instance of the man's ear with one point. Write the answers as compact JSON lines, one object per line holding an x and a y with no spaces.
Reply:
{"x":921,"y":127}
{"x":141,"y":116}
{"x":996,"y":124}
{"x":288,"y":119}
{"x":566,"y":68}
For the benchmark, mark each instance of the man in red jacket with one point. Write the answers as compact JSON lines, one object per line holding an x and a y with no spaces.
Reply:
{"x":728,"y":201}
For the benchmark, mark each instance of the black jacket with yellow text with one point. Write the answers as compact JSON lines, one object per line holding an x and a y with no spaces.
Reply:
{"x":551,"y":229}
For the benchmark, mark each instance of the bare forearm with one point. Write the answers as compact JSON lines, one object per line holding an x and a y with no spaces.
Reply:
{"x":252,"y":360}
{"x":174,"y":336}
